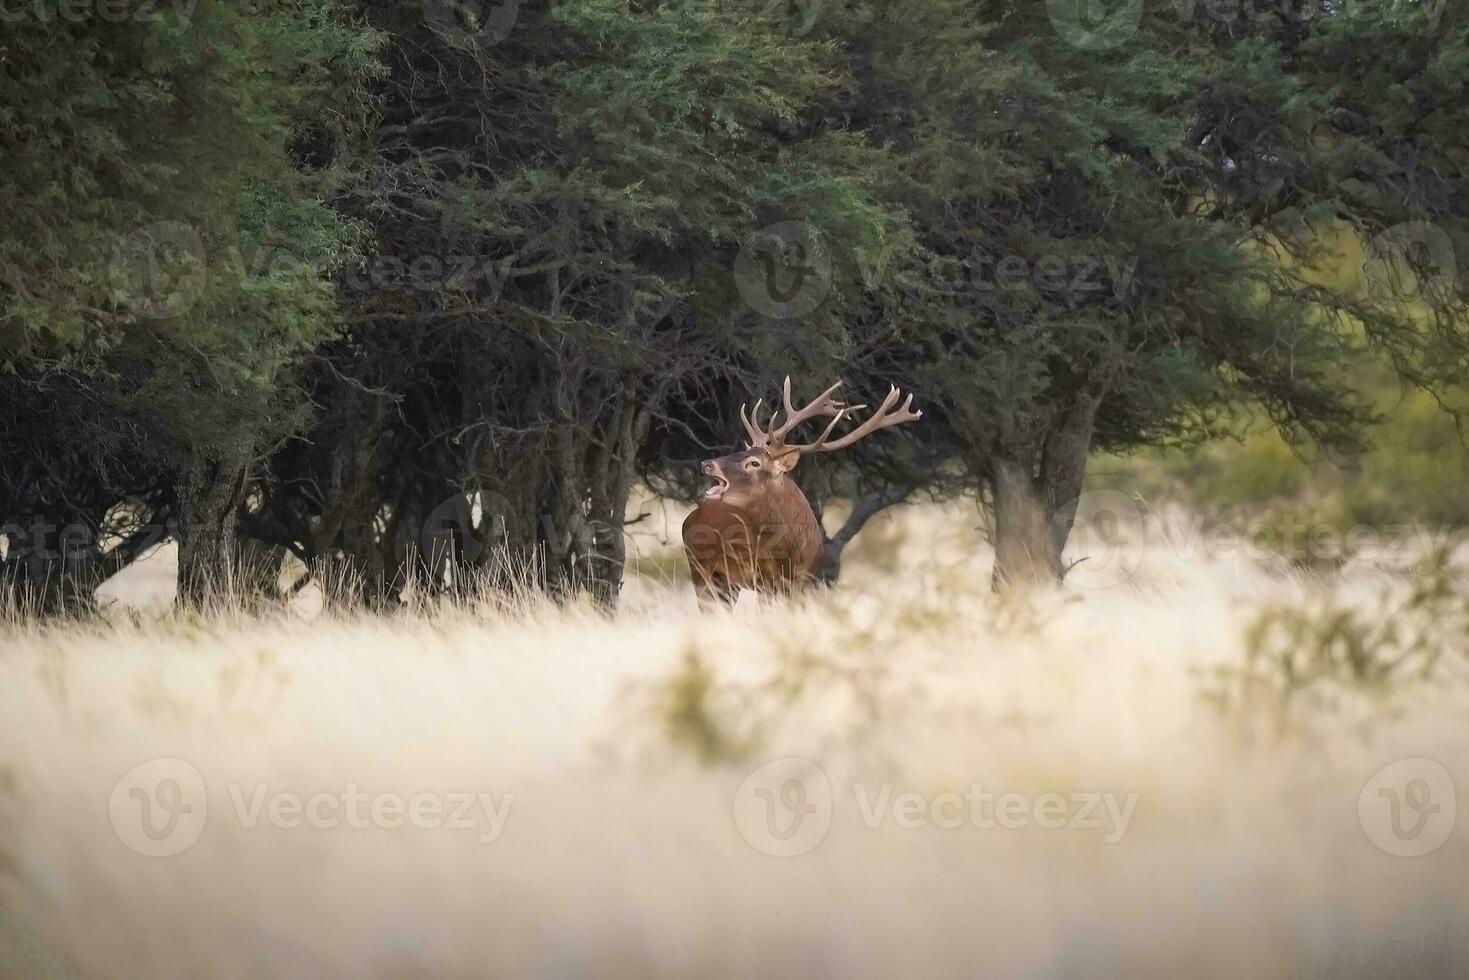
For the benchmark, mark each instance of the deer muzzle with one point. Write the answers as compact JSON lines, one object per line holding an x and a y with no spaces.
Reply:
{"x":721,"y":484}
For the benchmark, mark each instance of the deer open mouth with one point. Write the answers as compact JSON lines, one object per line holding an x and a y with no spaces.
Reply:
{"x":717,"y":491}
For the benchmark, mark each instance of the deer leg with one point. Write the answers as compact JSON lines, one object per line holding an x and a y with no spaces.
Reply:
{"x":715,"y":588}
{"x":709,"y":586}
{"x":727,"y":592}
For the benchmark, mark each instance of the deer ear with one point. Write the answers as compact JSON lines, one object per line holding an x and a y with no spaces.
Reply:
{"x":786,"y":460}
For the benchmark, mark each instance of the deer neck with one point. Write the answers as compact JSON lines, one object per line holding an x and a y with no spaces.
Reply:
{"x":787,"y":508}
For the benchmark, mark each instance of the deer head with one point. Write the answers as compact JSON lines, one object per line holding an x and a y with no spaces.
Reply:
{"x":748,"y":479}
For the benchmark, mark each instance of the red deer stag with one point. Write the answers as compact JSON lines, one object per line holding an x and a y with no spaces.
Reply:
{"x":754,"y":529}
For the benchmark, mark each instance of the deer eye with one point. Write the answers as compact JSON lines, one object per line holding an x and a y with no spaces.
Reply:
{"x":753,"y":464}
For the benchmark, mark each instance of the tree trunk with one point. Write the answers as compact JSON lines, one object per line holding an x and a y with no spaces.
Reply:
{"x":864,"y":509}
{"x":1025,"y":548}
{"x":612,"y":486}
{"x":208,"y":500}
{"x":1063,"y":467}
{"x":1035,"y":505}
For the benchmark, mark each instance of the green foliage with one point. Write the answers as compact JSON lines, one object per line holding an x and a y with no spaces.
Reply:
{"x":1062,"y":247}
{"x":689,"y":718}
{"x":153,"y":255}
{"x":1416,"y":470}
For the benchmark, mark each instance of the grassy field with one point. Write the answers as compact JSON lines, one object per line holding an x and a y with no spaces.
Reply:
{"x":1187,"y":764}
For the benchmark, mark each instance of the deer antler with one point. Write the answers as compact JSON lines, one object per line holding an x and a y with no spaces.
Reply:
{"x":885,"y":417}
{"x":758,"y":437}
{"x":823,"y":405}
{"x":770,"y":434}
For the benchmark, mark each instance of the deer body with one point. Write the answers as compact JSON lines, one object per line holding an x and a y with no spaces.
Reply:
{"x":770,"y":548}
{"x":754,"y":528}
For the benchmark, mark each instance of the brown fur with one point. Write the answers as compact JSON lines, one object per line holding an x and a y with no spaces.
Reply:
{"x":761,"y":535}
{"x":754,"y":529}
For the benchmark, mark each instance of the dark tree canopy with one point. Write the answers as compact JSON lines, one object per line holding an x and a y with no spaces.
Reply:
{"x":418,"y":286}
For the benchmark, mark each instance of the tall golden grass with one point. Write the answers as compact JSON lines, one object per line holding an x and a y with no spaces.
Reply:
{"x":1246,"y":711}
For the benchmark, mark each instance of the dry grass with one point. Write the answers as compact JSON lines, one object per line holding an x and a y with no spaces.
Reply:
{"x":624,"y":743}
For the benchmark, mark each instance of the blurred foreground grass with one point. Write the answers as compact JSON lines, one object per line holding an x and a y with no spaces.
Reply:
{"x":1247,"y":711}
